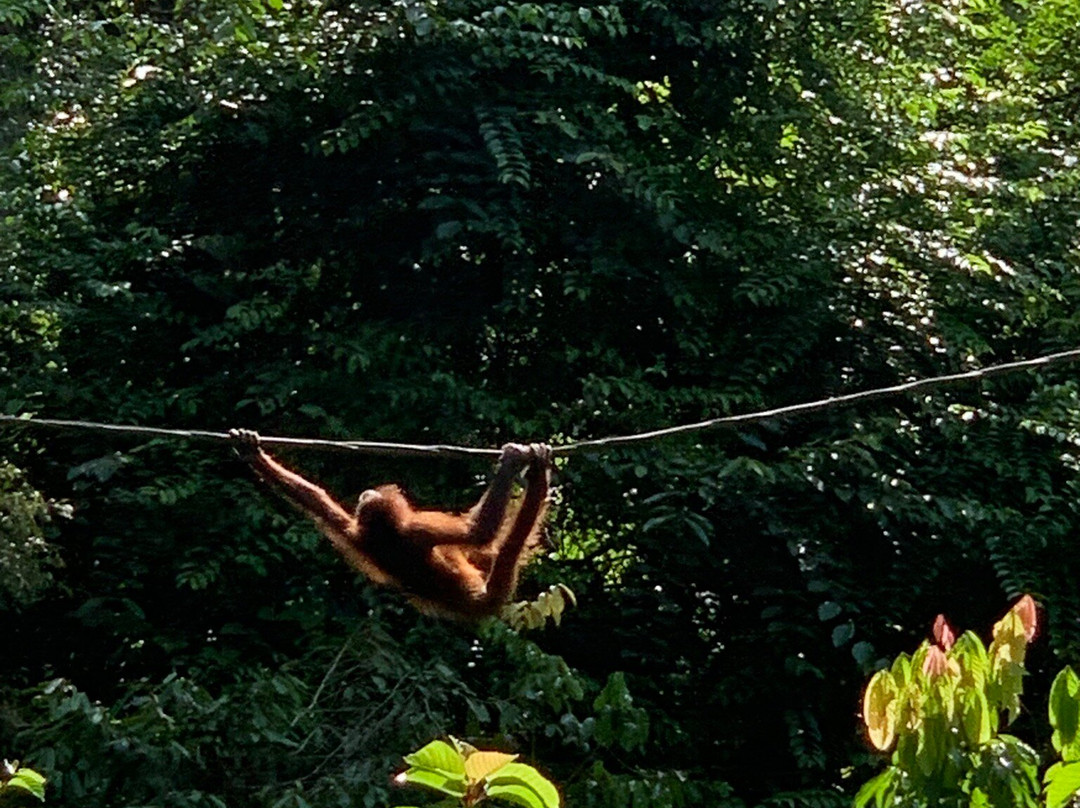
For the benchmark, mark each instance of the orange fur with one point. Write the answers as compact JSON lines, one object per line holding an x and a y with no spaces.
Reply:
{"x":463,"y":565}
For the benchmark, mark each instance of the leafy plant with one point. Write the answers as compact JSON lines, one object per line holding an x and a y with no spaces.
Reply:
{"x":548,"y":605}
{"x":469,"y":776}
{"x":941,"y":711}
{"x":16,"y":779}
{"x":26,"y":558}
{"x":1063,"y":778}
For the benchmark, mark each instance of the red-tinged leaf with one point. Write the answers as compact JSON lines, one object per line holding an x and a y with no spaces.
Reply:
{"x":943,"y":634}
{"x":1028,"y":612}
{"x":935,"y":663}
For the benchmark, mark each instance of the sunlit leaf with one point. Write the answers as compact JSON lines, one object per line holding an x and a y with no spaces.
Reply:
{"x":525,"y":785}
{"x":1064,"y":710}
{"x":1062,"y":782}
{"x":877,"y":790}
{"x":976,"y":717}
{"x":436,"y":781}
{"x":879,"y":710}
{"x":437,"y":756}
{"x":27,"y":780}
{"x":480,"y":764}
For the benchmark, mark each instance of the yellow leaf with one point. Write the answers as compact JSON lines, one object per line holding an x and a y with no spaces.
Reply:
{"x":482,"y":764}
{"x":879,"y":710}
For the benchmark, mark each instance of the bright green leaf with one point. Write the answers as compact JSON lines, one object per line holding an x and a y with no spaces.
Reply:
{"x":1064,"y":709}
{"x":1062,"y":783}
{"x":28,"y":780}
{"x":436,"y":781}
{"x":528,"y":787}
{"x":438,"y":756}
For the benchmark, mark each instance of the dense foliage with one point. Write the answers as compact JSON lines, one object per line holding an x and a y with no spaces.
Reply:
{"x":942,"y":713}
{"x":464,"y":222}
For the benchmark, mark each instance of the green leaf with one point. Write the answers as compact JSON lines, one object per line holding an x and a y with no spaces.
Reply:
{"x":517,"y":794}
{"x":828,"y":610}
{"x":437,"y":766}
{"x":932,"y":741}
{"x":976,"y":717}
{"x":863,"y":652}
{"x":877,"y":789}
{"x":1064,"y":709}
{"x":448,"y":229}
{"x":438,"y":756}
{"x":28,"y":780}
{"x":1062,"y":782}
{"x":436,"y":781}
{"x":524,"y":785}
{"x":842,"y":634}
{"x":901,"y":671}
{"x":974,"y":662}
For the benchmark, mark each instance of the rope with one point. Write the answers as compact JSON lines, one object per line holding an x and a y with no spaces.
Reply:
{"x":442,"y":450}
{"x":361,"y":447}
